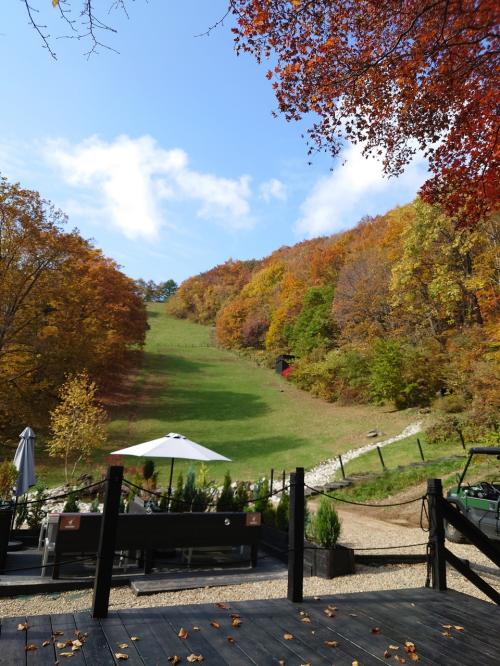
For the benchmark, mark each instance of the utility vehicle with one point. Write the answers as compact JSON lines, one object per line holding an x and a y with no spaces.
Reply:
{"x":480,"y":502}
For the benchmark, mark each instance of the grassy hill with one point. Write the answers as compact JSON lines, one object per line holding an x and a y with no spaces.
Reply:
{"x":248,"y":413}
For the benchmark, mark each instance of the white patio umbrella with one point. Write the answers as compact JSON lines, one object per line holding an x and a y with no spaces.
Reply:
{"x":171,"y":446}
{"x":24,"y":460}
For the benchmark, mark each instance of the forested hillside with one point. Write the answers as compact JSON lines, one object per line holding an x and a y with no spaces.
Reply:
{"x":64,"y":308}
{"x":400,"y":308}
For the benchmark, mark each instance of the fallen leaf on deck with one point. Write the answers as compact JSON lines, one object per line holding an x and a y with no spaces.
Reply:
{"x":235,"y":622}
{"x":45,"y":643}
{"x":331,"y":643}
{"x":393,"y":647}
{"x":58,"y":632}
{"x":31,"y":647}
{"x":355,"y":663}
{"x":121,"y":655}
{"x":446,"y":633}
{"x":135,"y":638}
{"x":414,"y":656}
{"x":60,"y":645}
{"x":230,"y":639}
{"x":375,"y":630}
{"x":75,"y":648}
{"x":305,"y":620}
{"x":400,"y":660}
{"x":215,"y":624}
{"x":458,"y":628}
{"x":196,"y":629}
{"x":288,"y":637}
{"x":329,"y":612}
{"x":66,"y":654}
{"x":387,"y":654}
{"x":223,"y":606}
{"x":78,"y":643}
{"x":174,"y":659}
{"x":122,"y":646}
{"x":353,"y":615}
{"x":446,"y":626}
{"x":194,"y":657}
{"x":182,"y":633}
{"x":281,"y":662}
{"x":410,"y":647}
{"x":22,"y":626}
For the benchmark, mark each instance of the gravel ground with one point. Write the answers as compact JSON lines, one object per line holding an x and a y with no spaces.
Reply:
{"x":359,"y":529}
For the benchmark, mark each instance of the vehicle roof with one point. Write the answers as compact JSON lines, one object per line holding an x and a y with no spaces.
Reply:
{"x":491,"y":450}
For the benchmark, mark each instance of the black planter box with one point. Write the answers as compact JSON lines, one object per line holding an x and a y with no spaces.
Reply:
{"x":275,"y":542}
{"x":5,"y":521}
{"x":336,"y":561}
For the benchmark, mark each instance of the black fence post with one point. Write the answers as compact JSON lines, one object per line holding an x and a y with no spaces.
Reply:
{"x":342,"y":467}
{"x":436,"y":534}
{"x":107,"y":539}
{"x":381,"y":459}
{"x":420,"y":449}
{"x":283,"y":482}
{"x":271,"y":481}
{"x":296,"y":537}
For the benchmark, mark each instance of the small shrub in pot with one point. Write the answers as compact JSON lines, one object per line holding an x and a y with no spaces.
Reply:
{"x":326,"y":524}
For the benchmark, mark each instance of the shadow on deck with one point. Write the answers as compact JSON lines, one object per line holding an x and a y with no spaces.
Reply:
{"x":446,"y":628}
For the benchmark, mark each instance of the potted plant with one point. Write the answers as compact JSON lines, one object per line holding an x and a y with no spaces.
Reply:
{"x":8,"y":476}
{"x":323,"y":555}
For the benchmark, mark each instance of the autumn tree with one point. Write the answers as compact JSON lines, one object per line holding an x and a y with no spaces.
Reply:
{"x":77,"y":424}
{"x":396,"y":77}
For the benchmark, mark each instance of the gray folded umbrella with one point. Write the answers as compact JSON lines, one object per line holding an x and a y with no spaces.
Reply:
{"x":24,"y":460}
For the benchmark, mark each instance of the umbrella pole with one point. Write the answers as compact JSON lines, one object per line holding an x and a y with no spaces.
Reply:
{"x":14,"y":514}
{"x":170,"y":484}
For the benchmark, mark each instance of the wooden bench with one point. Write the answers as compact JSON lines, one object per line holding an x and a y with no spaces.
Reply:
{"x":79,"y":534}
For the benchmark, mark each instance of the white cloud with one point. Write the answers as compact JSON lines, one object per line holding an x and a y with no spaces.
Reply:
{"x":273,"y":189}
{"x":131,"y":178}
{"x":356,"y":188}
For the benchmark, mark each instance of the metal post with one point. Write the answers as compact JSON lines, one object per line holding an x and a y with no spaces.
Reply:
{"x":296,"y":537}
{"x":283,"y":483}
{"x":170,"y":484}
{"x":436,"y":534}
{"x":342,"y":467}
{"x":380,"y":456}
{"x":271,"y":481}
{"x":107,"y":539}
{"x":420,"y":449}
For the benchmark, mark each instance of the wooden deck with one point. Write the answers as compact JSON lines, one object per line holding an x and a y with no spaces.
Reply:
{"x":273,"y":632}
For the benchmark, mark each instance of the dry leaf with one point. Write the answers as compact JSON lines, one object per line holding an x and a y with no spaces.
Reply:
{"x":446,"y":626}
{"x":135,"y":638}
{"x":215,"y":624}
{"x":355,"y":663}
{"x":236,"y":622}
{"x":329,"y":612}
{"x":58,"y":632}
{"x":194,"y":657}
{"x":410,"y":647}
{"x":400,"y":660}
{"x":332,"y":643}
{"x":308,"y":664}
{"x":31,"y":647}
{"x":223,"y":606}
{"x":22,"y":626}
{"x":393,"y":647}
{"x":122,"y":646}
{"x":182,"y":633}
{"x":458,"y":628}
{"x":353,"y":615}
{"x":230,"y":639}
{"x":375,"y":630}
{"x":121,"y":655}
{"x":387,"y":654}
{"x":446,"y":633}
{"x":75,"y":648}
{"x":306,"y":620}
{"x":281,"y":662}
{"x":174,"y":659}
{"x":414,"y":656}
{"x":288,"y":637}
{"x":78,"y":643}
{"x":60,"y":645}
{"x":67,"y":654}
{"x":45,"y":643}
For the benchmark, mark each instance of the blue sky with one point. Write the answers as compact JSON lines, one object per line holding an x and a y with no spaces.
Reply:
{"x":167,"y":154}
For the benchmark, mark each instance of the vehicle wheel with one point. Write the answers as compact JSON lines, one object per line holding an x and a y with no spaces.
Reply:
{"x":452,"y":534}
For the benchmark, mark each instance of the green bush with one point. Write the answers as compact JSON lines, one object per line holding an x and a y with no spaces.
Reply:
{"x":282,"y":512}
{"x":177,"y":505}
{"x":189,"y":491}
{"x":241,"y":496}
{"x":261,"y":495}
{"x":71,"y":505}
{"x":94,"y":505}
{"x":269,"y":515}
{"x":35,"y":512}
{"x":446,"y":430}
{"x":148,"y":469}
{"x":325,"y":526}
{"x":226,"y":501}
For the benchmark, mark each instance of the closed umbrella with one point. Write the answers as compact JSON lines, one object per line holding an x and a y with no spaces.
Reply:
{"x":24,"y":460}
{"x":171,"y":446}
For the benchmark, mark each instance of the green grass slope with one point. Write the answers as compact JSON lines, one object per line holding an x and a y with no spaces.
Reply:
{"x":227,"y":403}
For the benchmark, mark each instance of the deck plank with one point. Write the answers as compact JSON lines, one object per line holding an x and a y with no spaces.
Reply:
{"x":66,"y":623}
{"x":40,"y":630}
{"x":150,"y":629}
{"x":13,"y":642}
{"x":115,"y":633}
{"x":95,"y":648}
